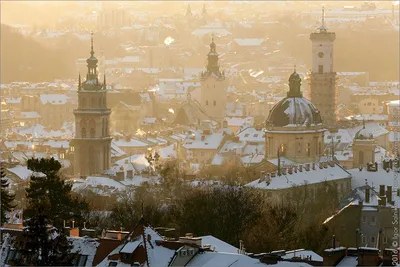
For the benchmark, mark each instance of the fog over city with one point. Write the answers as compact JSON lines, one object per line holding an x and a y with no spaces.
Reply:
{"x":199,"y":133}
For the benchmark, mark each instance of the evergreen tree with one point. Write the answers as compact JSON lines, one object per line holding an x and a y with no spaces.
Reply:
{"x":6,"y":198}
{"x":50,"y":203}
{"x":42,"y":244}
{"x":64,"y":206}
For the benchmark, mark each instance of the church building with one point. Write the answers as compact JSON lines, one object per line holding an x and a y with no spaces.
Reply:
{"x":294,"y":127}
{"x":92,"y":142}
{"x":213,"y":87}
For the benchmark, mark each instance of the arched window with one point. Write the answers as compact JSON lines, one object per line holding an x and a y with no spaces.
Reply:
{"x":92,"y":102}
{"x":215,"y":103}
{"x":206,"y":102}
{"x":83,"y":132}
{"x":282,"y":148}
{"x":92,"y":132}
{"x":308,"y":149}
{"x":83,"y":123}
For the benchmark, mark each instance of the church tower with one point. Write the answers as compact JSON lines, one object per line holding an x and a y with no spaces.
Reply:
{"x":213,"y":87}
{"x":92,"y":142}
{"x":364,"y":146}
{"x":322,"y":90}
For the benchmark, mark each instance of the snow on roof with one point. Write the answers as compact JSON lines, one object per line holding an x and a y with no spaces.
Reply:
{"x":253,"y":159}
{"x":130,"y":59}
{"x":348,"y":261}
{"x":158,"y":255}
{"x":54,"y":99}
{"x":248,"y":41}
{"x":11,"y":100}
{"x":39,"y":130}
{"x":204,"y":31}
{"x":368,"y":117}
{"x":394,"y":103}
{"x":130,"y":247}
{"x":137,"y":161}
{"x":116,"y":151}
{"x":302,"y":254}
{"x":236,"y":147}
{"x":21,"y":171}
{"x":168,"y":151}
{"x":301,"y":178}
{"x":133,"y":142}
{"x":211,"y":141}
{"x":251,"y":135}
{"x":217,"y":160}
{"x":217,"y":244}
{"x":236,"y":121}
{"x":371,"y":127}
{"x":381,"y":177}
{"x":30,"y":115}
{"x":94,"y":181}
{"x":341,"y":136}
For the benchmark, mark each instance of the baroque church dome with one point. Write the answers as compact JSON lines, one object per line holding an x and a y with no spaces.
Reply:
{"x":294,"y":110}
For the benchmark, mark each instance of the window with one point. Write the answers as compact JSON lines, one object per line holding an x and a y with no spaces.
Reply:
{"x":113,"y":263}
{"x":372,"y":239}
{"x":215,"y":103}
{"x":191,"y":251}
{"x":385,"y":240}
{"x":360,"y":157}
{"x":82,"y":260}
{"x":308,"y":149}
{"x":283,"y":148}
{"x":373,"y":220}
{"x":83,"y":132}
{"x":364,"y":219}
{"x":246,"y":135}
{"x":183,"y":253}
{"x":321,"y":69}
{"x":10,"y":255}
{"x":363,"y":239}
{"x":92,"y":132}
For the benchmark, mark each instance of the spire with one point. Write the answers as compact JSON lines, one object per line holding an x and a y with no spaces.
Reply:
{"x":212,"y":58}
{"x":104,"y":83}
{"x":294,"y":68}
{"x":91,"y":47}
{"x":323,"y":28}
{"x":79,"y":83}
{"x":188,"y":11}
{"x":279,"y":162}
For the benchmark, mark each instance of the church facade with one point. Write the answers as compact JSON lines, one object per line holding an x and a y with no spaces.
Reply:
{"x":92,"y":141}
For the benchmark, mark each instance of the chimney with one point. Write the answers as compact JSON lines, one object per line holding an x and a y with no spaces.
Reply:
{"x":300,"y":168}
{"x":290,"y":170}
{"x":368,"y":257}
{"x":313,"y":166}
{"x":325,"y":165}
{"x":262,"y":177}
{"x":389,"y":194}
{"x":367,"y":194}
{"x":307,"y":167}
{"x":188,"y":238}
{"x":382,"y":195}
{"x":74,"y":231}
{"x":331,"y":163}
{"x":332,"y":256}
{"x":321,"y":166}
{"x":268,"y":178}
{"x":203,"y":137}
{"x":284,"y":171}
{"x":295,"y":169}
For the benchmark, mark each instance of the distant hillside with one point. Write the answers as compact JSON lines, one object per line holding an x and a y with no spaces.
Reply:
{"x":24,"y":59}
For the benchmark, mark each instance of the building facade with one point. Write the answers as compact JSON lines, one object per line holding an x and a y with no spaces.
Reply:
{"x":322,"y":79}
{"x":92,"y":142}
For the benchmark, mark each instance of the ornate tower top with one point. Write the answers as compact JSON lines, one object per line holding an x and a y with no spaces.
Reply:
{"x":323,"y":28}
{"x":92,"y":81}
{"x":294,"y":84}
{"x":213,"y":64}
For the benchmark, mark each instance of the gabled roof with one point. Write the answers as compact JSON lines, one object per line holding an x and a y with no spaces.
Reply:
{"x":190,"y":113}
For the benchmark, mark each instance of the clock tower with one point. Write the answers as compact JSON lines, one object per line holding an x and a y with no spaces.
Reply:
{"x":322,"y":90}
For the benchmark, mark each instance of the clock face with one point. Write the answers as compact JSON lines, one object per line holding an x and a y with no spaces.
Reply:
{"x":321,"y":55}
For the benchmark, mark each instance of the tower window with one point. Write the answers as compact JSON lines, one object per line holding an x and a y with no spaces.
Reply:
{"x":360,"y":157}
{"x":92,"y":132}
{"x":83,"y":132}
{"x":282,"y":148}
{"x":215,"y":103}
{"x":320,"y":69}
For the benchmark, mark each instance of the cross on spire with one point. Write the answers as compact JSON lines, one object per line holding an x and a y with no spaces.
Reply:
{"x":294,"y":67}
{"x":91,"y":51}
{"x":323,"y":16}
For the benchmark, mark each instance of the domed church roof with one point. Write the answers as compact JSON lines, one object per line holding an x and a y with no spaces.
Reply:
{"x":294,"y":110}
{"x":364,"y":134}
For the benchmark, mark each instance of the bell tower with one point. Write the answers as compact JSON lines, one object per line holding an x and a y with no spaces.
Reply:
{"x":322,"y":89}
{"x":213,"y":87}
{"x":92,"y":141}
